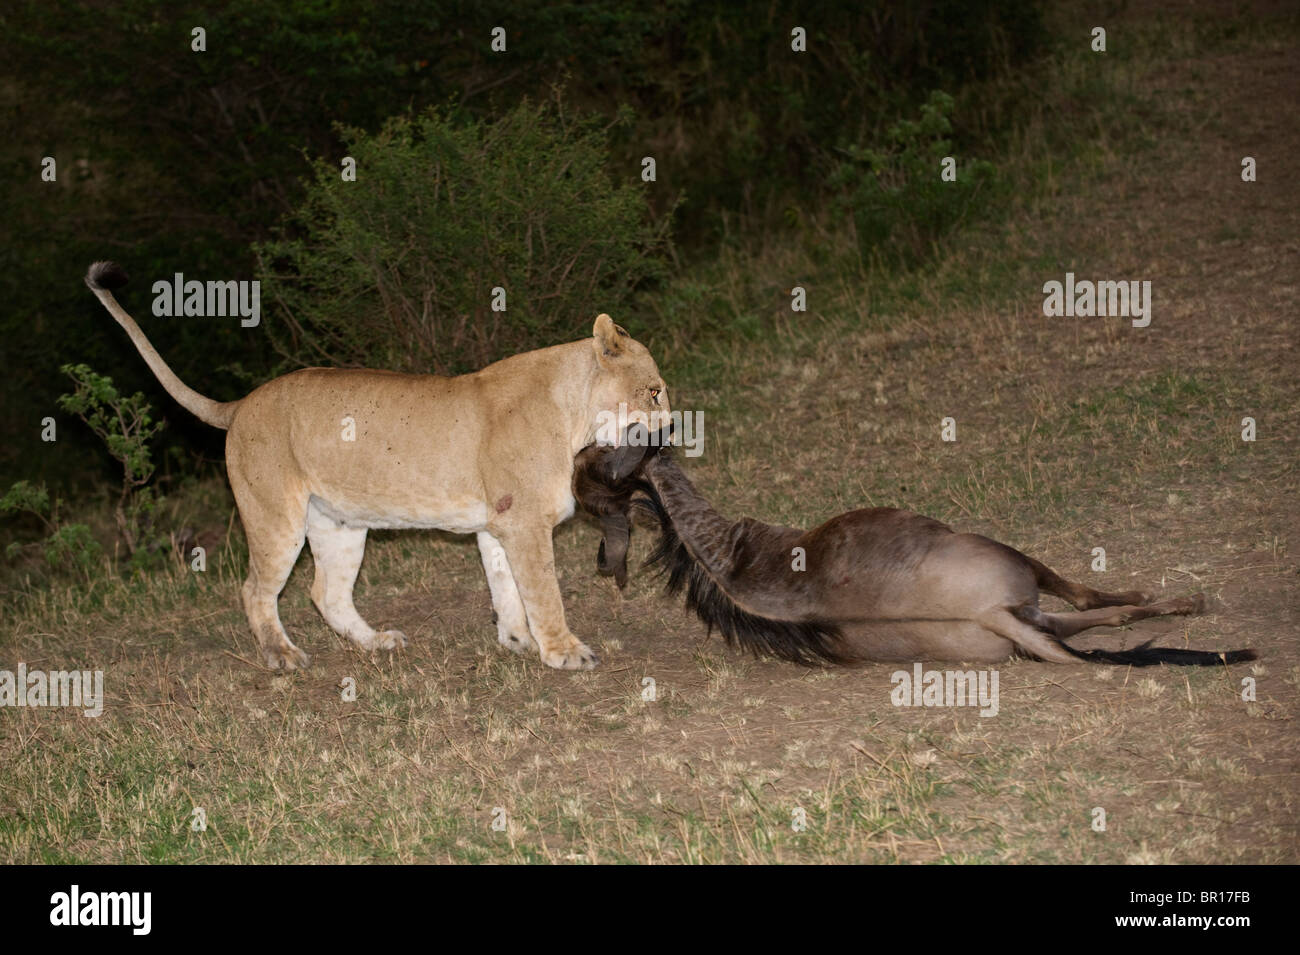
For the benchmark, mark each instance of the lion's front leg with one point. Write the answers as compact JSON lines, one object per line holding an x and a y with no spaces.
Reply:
{"x":507,"y":605}
{"x":531,"y":561}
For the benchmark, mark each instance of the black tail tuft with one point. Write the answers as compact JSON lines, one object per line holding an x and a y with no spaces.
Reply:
{"x":1143,"y":656}
{"x":105,"y":276}
{"x":806,"y":642}
{"x":1147,"y":655}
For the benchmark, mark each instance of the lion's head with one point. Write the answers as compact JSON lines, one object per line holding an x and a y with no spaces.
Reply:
{"x":628,"y":388}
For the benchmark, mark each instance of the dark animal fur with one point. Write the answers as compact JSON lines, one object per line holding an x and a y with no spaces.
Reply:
{"x":867,"y":558}
{"x":807,"y":642}
{"x":1144,"y":655}
{"x":106,"y":275}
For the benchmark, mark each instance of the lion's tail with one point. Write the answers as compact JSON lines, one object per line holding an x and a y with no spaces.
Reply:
{"x":102,"y":277}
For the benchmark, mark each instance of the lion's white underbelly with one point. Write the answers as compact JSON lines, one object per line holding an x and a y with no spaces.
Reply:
{"x":459,"y":517}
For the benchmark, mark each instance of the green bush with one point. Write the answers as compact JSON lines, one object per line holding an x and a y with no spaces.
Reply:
{"x":24,"y":497}
{"x":125,"y":425}
{"x":73,"y":548}
{"x":894,"y":195}
{"x":739,"y":124}
{"x":70,"y":547}
{"x":396,"y":270}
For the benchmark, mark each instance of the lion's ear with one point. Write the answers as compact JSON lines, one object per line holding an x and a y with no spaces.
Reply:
{"x":610,"y":339}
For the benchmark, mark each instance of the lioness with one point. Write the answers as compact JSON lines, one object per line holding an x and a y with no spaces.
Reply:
{"x":489,"y":453}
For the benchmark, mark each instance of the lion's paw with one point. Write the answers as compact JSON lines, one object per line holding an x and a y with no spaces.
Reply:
{"x":383,"y":640}
{"x":391,"y":640}
{"x":517,"y":643}
{"x":573,"y":656}
{"x":285,"y":657}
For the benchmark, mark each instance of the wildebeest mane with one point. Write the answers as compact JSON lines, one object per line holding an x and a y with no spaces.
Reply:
{"x":806,"y":642}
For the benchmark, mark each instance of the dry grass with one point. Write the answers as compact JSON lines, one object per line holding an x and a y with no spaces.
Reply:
{"x":1072,"y":434}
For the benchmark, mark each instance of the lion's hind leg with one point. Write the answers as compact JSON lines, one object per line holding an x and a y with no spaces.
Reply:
{"x":337,"y":551}
{"x":274,"y":543}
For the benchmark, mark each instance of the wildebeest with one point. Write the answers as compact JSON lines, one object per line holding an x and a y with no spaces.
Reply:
{"x":872,"y":584}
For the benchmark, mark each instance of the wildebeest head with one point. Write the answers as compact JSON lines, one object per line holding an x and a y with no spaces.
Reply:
{"x":606,"y":481}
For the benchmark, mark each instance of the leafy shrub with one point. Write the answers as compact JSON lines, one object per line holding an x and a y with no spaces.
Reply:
{"x":396,"y":270}
{"x":26,"y":497}
{"x":72,"y":547}
{"x":67,"y":546}
{"x":125,"y":425}
{"x":739,"y":123}
{"x":894,"y":195}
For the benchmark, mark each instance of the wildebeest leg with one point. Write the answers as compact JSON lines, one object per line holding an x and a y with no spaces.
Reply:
{"x":611,"y":559}
{"x":1028,"y":638}
{"x":1068,"y":624}
{"x":1081,"y":597}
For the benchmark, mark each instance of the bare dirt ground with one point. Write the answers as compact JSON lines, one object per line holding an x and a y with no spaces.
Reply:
{"x":1073,"y":433}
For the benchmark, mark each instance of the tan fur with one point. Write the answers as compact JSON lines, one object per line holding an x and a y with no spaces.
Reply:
{"x":489,"y":453}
